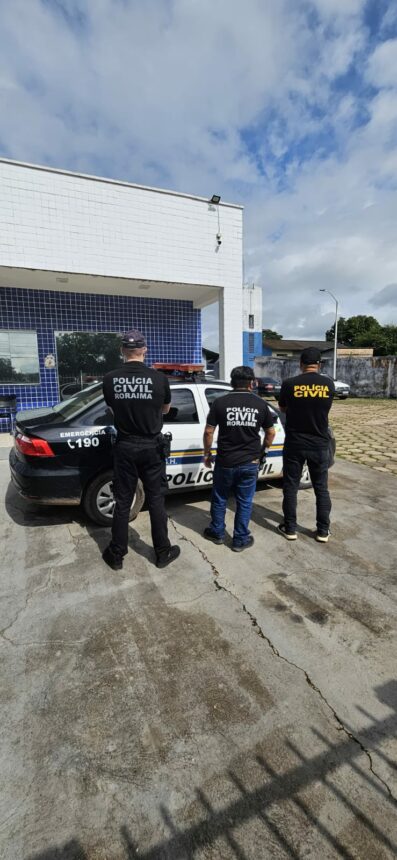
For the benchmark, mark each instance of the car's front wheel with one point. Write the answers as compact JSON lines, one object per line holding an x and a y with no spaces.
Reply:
{"x":98,"y":500}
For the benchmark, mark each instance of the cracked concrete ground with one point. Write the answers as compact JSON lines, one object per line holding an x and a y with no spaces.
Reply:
{"x":230,"y":706}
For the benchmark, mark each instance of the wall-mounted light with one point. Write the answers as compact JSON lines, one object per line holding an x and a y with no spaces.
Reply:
{"x":213,"y":204}
{"x":62,"y":280}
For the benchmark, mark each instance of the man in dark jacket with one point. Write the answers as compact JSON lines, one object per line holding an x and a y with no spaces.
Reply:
{"x":240,"y":416}
{"x":139,"y":397}
{"x":306,"y":399}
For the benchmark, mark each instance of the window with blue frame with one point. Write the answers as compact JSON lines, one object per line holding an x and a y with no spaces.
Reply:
{"x":19,"y":358}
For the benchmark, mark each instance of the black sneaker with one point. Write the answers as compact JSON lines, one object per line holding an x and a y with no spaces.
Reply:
{"x":168,"y":556}
{"x":288,"y":535}
{"x":237,"y":548}
{"x":322,"y":537}
{"x":112,"y":560}
{"x":210,"y":535}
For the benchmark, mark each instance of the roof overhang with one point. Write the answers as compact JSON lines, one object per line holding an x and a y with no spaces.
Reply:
{"x":67,"y":282}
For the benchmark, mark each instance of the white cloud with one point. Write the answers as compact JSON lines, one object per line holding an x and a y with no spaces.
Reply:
{"x":241,"y":98}
{"x":330,"y":8}
{"x":382,"y":64}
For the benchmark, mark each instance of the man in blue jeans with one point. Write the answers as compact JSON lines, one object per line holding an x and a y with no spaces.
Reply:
{"x":240,"y":416}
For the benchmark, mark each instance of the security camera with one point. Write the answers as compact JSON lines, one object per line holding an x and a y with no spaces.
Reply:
{"x":219,"y":238}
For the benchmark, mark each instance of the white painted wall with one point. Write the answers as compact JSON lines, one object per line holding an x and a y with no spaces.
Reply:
{"x":252,"y":306}
{"x":62,"y":222}
{"x":66,"y":222}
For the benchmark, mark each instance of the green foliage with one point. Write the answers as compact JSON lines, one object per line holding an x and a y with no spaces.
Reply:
{"x":6,"y":371}
{"x":268,"y":334}
{"x":387,"y":341}
{"x":360,"y":331}
{"x":9,"y":374}
{"x":86,"y":352}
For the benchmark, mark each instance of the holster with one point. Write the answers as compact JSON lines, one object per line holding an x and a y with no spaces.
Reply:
{"x":164,"y":444}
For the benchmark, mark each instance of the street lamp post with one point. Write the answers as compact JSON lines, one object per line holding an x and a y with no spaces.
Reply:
{"x":336,"y":326}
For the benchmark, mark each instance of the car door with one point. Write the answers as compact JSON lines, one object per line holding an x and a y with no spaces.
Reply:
{"x":274,"y":461}
{"x":185,"y":421}
{"x":273,"y":468}
{"x":209,"y":393}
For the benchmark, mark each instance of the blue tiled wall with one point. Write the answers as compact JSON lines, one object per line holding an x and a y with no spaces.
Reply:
{"x":172,"y":328}
{"x":252,"y":346}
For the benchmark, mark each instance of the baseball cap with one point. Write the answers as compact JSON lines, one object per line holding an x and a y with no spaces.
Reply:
{"x":311,"y":355}
{"x":133,"y":339}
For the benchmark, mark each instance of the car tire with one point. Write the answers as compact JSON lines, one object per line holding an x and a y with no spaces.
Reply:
{"x":98,"y":503}
{"x":343,"y":397}
{"x":305,"y":482}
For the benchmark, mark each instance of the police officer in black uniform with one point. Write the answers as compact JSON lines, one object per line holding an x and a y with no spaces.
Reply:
{"x":139,"y":397}
{"x":240,"y":416}
{"x":306,"y":399}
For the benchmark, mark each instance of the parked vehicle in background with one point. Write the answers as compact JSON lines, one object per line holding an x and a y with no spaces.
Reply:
{"x":342,"y":389}
{"x":268,"y":387}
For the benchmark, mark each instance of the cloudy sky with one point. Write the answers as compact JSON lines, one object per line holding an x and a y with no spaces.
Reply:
{"x":288,"y":106}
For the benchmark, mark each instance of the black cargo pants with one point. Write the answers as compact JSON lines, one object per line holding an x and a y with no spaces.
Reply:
{"x":317,"y":458}
{"x":133,"y":459}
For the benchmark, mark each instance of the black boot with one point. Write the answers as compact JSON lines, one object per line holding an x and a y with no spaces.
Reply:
{"x":114,"y":561}
{"x":169,"y":555}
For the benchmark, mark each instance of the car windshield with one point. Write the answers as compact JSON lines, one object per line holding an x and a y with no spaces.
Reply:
{"x":71,"y":407}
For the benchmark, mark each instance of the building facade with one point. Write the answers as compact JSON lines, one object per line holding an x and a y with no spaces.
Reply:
{"x":82,"y":255}
{"x":252,"y":324}
{"x":293,"y":348}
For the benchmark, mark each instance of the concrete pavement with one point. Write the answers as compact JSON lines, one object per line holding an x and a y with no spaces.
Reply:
{"x":231,"y":706}
{"x":366,"y":432}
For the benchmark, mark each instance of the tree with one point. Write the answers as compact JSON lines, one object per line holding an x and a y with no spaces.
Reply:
{"x":361,"y":331}
{"x":330,"y":334}
{"x":387,"y":341}
{"x":356,"y":328}
{"x":86,"y":352}
{"x":268,"y":334}
{"x":6,"y":371}
{"x":9,"y":374}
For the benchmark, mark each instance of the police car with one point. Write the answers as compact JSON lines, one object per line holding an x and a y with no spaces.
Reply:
{"x":62,"y":455}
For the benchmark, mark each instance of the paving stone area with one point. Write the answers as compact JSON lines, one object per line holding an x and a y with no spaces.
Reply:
{"x":366,"y":432}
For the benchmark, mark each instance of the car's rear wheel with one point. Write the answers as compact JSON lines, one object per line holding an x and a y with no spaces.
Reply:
{"x":98,"y":500}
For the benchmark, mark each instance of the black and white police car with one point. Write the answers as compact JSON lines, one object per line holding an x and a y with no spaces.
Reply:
{"x":62,"y":455}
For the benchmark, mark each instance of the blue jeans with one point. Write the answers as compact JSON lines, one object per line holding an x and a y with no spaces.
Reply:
{"x":241,"y":481}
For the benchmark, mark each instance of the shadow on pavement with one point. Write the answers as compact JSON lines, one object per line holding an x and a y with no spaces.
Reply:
{"x":25,"y":513}
{"x":181,"y":507}
{"x":280,"y":788}
{"x":184,"y":510}
{"x":71,"y":851}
